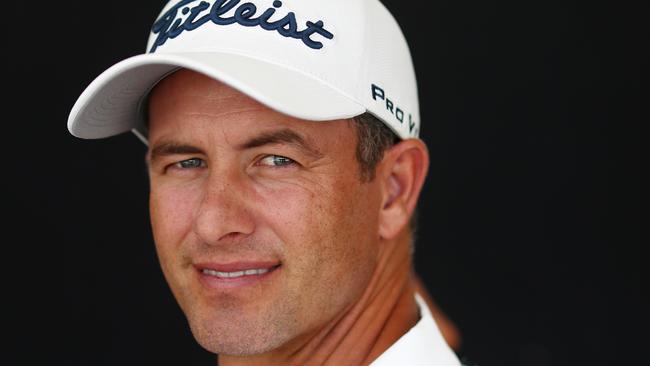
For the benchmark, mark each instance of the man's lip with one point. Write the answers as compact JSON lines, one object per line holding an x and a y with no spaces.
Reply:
{"x":236,"y":266}
{"x":223,"y":282}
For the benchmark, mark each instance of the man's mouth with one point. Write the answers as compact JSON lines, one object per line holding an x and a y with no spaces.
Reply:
{"x":236,"y":274}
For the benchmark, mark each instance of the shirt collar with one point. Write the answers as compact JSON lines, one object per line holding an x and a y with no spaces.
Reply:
{"x":422,"y":345}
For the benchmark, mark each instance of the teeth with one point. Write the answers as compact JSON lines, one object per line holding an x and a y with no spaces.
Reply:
{"x":248,"y":272}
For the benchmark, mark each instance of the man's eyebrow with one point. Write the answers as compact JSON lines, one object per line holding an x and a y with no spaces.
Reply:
{"x":171,"y":148}
{"x":283,"y":136}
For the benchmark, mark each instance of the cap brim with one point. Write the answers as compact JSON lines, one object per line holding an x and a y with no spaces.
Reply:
{"x":110,"y":105}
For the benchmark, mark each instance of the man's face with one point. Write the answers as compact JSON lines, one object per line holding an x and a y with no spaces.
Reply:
{"x":264,"y":230}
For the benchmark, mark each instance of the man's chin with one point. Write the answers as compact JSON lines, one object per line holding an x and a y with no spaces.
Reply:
{"x":242,"y":338}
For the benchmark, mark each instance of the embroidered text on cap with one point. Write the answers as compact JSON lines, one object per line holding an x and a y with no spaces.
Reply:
{"x":171,"y":24}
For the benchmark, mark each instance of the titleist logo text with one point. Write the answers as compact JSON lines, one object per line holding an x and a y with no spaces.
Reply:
{"x":185,"y":17}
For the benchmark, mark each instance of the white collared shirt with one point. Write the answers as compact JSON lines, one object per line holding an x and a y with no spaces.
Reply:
{"x":422,"y":345}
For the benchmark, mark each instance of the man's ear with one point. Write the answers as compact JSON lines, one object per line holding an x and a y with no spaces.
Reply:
{"x":403,"y":170}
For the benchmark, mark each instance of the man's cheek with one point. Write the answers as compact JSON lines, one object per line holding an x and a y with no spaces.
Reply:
{"x":287,"y":208}
{"x":172,"y":210}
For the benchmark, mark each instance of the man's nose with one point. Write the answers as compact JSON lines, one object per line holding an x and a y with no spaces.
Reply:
{"x":223,"y":215}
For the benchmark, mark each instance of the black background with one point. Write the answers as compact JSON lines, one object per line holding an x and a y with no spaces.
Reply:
{"x":524,"y":239}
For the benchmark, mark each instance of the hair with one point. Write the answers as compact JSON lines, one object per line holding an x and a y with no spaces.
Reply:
{"x":374,"y":139}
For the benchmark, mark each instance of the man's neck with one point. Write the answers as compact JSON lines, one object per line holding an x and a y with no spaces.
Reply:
{"x":362,"y":332}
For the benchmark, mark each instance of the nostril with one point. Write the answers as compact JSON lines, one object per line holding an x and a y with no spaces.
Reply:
{"x":232,"y":236}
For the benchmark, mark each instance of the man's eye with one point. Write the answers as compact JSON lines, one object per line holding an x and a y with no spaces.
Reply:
{"x":189,"y":163}
{"x":276,"y":160}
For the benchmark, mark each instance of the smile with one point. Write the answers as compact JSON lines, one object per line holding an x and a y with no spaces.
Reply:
{"x":232,"y":276}
{"x":248,"y":272}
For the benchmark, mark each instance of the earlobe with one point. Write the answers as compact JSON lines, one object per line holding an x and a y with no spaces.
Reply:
{"x":404,"y":169}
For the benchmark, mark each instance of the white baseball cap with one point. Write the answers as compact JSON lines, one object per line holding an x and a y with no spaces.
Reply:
{"x":314,"y":60}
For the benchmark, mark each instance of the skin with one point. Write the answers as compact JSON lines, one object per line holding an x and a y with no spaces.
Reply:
{"x":343,"y":292}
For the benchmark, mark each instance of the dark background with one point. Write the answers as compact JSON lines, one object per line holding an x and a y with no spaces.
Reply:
{"x":525,"y":237}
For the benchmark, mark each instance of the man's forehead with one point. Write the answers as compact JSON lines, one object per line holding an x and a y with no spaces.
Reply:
{"x":192,"y":85}
{"x":187,"y":96}
{"x":186,"y":100}
{"x":244,"y":128}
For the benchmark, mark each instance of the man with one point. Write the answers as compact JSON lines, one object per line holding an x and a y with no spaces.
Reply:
{"x":284,"y":171}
